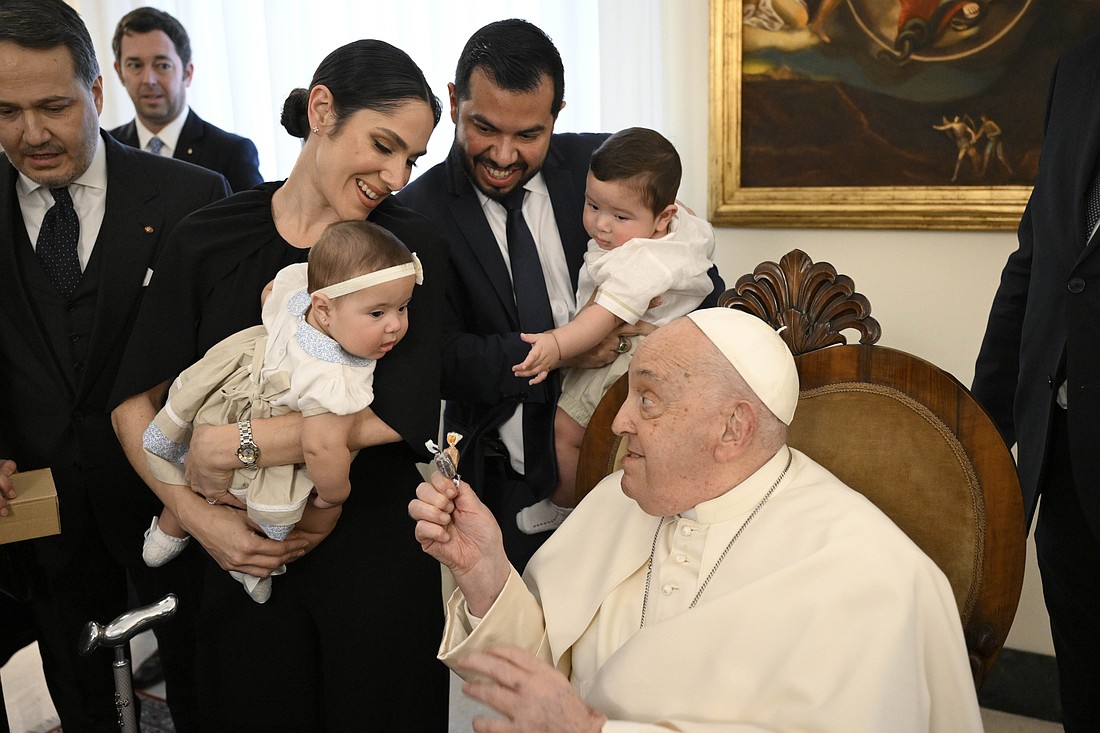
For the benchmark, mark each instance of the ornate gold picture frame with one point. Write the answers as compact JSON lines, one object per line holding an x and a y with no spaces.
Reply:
{"x":917,"y":114}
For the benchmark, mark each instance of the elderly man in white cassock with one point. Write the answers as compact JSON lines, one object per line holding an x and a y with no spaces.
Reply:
{"x":721,"y":581}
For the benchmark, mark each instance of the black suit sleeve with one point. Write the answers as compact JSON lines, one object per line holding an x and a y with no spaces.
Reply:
{"x":477,"y":368}
{"x":997,"y":371}
{"x":998,"y":367}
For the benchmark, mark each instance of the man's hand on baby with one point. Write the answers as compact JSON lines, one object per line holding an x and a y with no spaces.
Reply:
{"x":544,"y":356}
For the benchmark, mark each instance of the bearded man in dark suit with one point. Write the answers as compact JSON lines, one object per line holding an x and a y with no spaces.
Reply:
{"x":506,"y":96}
{"x":82,"y":221}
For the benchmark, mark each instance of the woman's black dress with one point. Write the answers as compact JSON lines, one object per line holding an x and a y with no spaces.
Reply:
{"x":349,"y":637}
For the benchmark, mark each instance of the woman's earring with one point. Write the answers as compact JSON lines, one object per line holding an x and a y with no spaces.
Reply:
{"x":316,"y":130}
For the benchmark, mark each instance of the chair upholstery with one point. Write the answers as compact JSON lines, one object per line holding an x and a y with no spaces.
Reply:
{"x":894,"y":427}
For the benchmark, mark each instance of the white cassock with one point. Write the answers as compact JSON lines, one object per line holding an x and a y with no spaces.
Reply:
{"x":824,"y":617}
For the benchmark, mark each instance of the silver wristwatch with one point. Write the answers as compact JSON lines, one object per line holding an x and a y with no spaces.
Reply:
{"x":247,"y":451}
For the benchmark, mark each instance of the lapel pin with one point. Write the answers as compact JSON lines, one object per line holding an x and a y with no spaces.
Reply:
{"x":190,"y":151}
{"x":149,"y":229}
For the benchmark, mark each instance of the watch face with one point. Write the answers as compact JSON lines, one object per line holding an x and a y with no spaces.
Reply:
{"x":248,"y":454}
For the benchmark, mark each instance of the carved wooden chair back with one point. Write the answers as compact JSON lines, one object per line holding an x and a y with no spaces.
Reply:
{"x":896,"y":428}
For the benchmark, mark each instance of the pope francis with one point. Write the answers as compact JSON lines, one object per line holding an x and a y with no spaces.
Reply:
{"x":720,"y":582}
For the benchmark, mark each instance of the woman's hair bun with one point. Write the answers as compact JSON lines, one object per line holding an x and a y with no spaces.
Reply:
{"x":295,"y":117}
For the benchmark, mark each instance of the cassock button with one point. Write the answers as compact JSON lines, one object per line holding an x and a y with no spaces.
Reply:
{"x":681,"y":557}
{"x":666,"y":589}
{"x":685,"y":530}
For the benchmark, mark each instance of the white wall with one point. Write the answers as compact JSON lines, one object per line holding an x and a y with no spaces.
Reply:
{"x":930,"y":290}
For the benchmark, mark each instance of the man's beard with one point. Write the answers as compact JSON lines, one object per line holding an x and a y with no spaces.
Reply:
{"x":526,"y":174}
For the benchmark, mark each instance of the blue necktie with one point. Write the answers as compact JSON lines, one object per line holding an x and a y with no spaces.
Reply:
{"x":155,"y":145}
{"x":57,"y":240}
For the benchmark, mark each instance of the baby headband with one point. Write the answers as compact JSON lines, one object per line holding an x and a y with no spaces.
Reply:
{"x":375,"y":278}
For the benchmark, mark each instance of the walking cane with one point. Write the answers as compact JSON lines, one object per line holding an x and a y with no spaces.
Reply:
{"x":117,"y":634}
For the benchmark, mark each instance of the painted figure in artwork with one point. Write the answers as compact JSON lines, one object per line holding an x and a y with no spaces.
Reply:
{"x":780,"y":24}
{"x":962,"y":133}
{"x":994,"y":146}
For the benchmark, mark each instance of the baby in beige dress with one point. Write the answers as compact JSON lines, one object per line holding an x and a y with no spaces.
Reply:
{"x":325,"y":324}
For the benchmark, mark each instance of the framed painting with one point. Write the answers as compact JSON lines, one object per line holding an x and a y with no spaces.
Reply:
{"x":923,"y":114}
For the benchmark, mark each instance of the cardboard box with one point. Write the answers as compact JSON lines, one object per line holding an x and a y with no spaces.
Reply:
{"x":34,"y":508}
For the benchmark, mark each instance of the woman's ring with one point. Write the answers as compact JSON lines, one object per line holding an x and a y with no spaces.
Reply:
{"x":624,"y":345}
{"x":211,"y":502}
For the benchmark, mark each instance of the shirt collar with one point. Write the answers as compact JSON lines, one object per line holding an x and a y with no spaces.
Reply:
{"x":743,"y":497}
{"x":170,"y":135}
{"x":95,"y":176}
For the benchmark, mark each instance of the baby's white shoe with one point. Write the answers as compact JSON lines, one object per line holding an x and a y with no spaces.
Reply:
{"x":258,"y":589}
{"x":160,"y":547}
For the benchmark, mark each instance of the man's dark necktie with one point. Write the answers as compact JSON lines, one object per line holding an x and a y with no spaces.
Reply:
{"x":535,"y":316}
{"x":528,"y":281}
{"x":57,"y":240}
{"x":1092,"y":204}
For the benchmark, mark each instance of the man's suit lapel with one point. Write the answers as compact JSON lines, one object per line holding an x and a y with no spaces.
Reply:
{"x":14,"y":303}
{"x":466,"y":208}
{"x":188,"y":147}
{"x":1088,"y":161}
{"x":563,"y":197}
{"x":189,"y":144}
{"x":131,"y":229}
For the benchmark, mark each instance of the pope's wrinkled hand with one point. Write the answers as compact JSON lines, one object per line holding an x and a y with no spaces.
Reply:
{"x":532,"y":696}
{"x":454,"y":527}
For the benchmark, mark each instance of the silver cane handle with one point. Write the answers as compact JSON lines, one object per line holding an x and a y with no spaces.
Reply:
{"x":126,"y":626}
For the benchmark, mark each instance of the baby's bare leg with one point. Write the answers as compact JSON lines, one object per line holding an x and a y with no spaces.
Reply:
{"x":318,"y":521}
{"x":568,"y":434}
{"x":170,"y":525}
{"x":164,"y":540}
{"x":546,"y":515}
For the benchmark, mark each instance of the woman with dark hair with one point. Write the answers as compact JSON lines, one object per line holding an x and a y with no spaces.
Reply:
{"x":349,"y":640}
